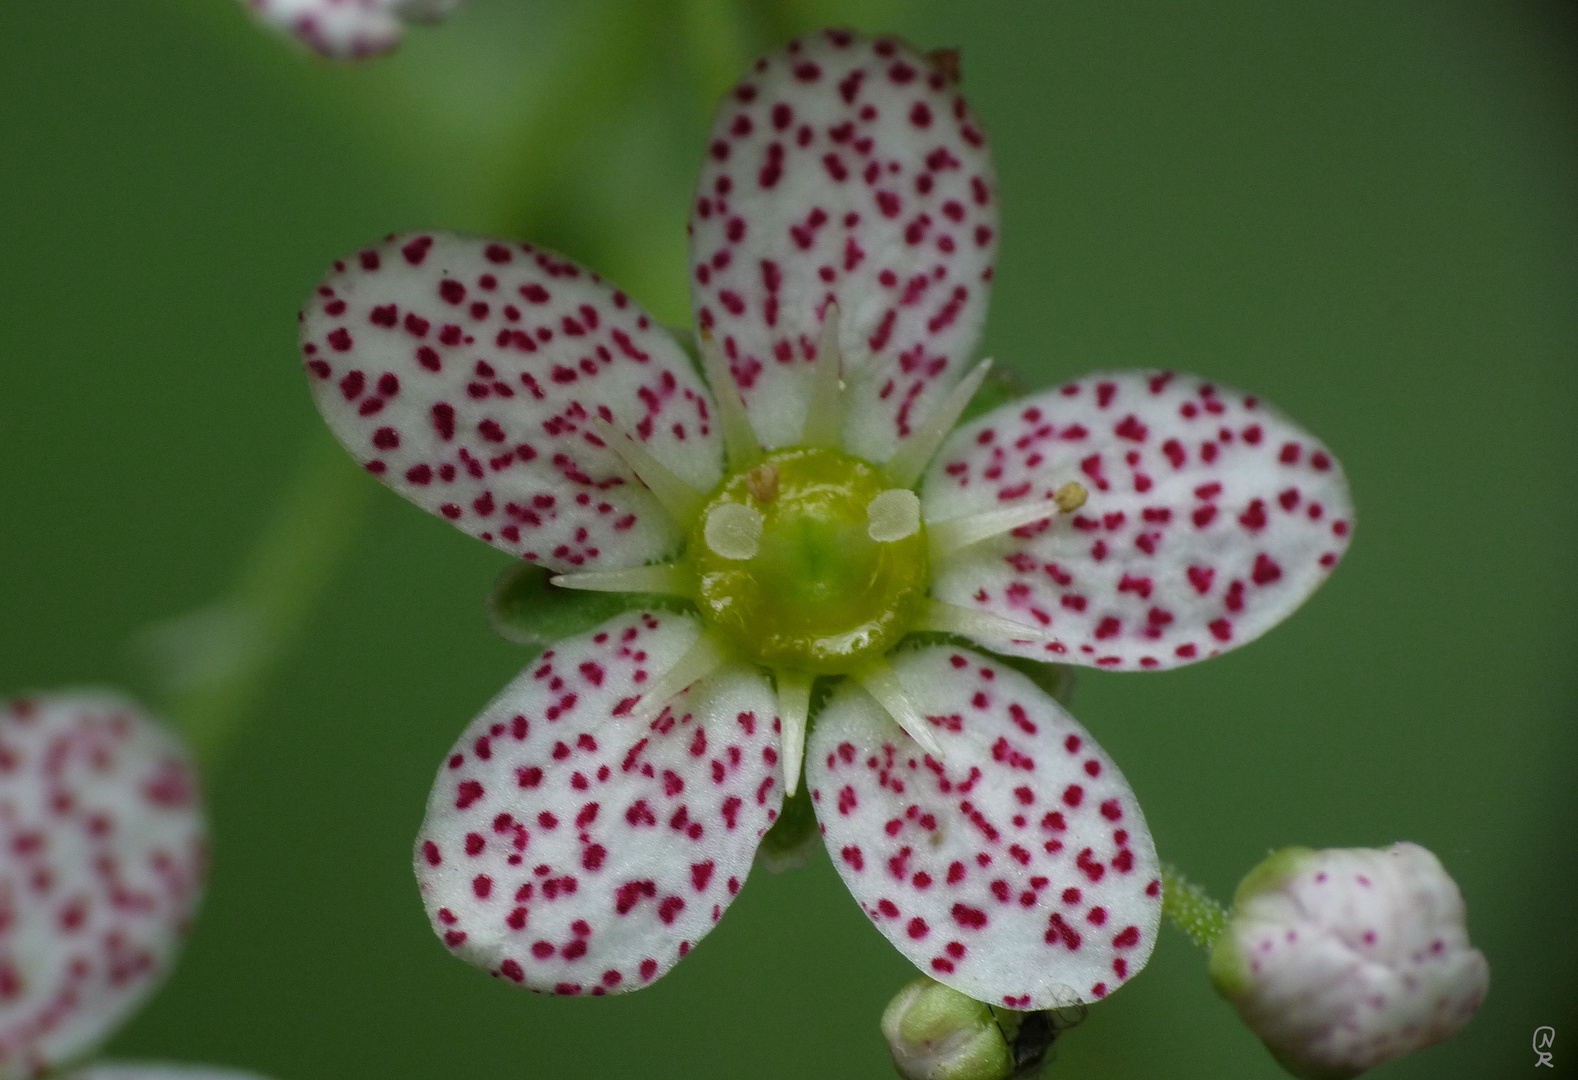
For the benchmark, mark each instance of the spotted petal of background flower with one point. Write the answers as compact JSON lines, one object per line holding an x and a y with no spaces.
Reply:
{"x":102,"y":858}
{"x":114,"y":1070}
{"x":1019,"y":869}
{"x":465,"y":372}
{"x":847,"y":168}
{"x":1211,"y":517}
{"x":350,"y":29}
{"x":576,"y":849}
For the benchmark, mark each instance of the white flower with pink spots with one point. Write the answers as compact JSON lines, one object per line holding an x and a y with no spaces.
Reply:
{"x":103,"y":852}
{"x":349,"y":29}
{"x":594,"y":822}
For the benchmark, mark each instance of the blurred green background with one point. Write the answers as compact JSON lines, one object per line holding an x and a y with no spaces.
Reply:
{"x":1365,"y":211}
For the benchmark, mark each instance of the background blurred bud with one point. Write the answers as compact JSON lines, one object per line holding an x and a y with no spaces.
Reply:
{"x":1345,"y":958}
{"x":935,"y":1033}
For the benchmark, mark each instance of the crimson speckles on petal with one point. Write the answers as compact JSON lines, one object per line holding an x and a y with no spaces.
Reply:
{"x":995,"y":881}
{"x":488,"y":422}
{"x":584,"y":851}
{"x":102,"y":857}
{"x":1210,"y":518}
{"x":349,"y":29}
{"x":869,"y":185}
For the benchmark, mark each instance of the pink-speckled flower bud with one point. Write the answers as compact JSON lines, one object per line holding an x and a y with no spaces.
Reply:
{"x":1346,"y":958}
{"x":937,"y":1033}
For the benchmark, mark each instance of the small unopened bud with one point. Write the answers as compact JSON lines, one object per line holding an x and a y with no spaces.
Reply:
{"x":935,"y":1033}
{"x":1343,"y":959}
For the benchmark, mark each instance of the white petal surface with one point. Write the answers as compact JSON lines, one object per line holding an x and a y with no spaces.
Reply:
{"x":115,"y":1070}
{"x":350,"y":29}
{"x":465,"y":373}
{"x":1211,"y":517}
{"x":102,"y":857}
{"x":1019,"y":870}
{"x":574,"y":850}
{"x":848,"y":168}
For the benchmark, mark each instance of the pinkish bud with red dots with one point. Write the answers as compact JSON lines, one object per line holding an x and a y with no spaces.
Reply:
{"x":1346,"y":958}
{"x":350,"y":29}
{"x":937,"y":1033}
{"x":102,"y":858}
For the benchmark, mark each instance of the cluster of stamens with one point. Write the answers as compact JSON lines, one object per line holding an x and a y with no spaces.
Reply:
{"x":808,"y":560}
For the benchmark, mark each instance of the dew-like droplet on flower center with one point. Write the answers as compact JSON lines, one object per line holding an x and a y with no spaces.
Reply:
{"x":819,"y":593}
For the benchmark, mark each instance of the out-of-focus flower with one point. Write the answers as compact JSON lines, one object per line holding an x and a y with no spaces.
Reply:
{"x":103,"y":852}
{"x":598,"y":817}
{"x":1346,"y":958}
{"x":350,"y":29}
{"x":936,"y":1033}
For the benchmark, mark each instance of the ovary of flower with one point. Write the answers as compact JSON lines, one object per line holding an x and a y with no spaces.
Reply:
{"x":598,"y":817}
{"x":1346,"y":958}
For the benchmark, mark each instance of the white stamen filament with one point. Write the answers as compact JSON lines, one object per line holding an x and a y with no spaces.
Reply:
{"x":734,"y":531}
{"x":824,"y":413}
{"x":681,"y":501}
{"x":794,"y":709}
{"x":904,"y":468}
{"x":949,"y":536}
{"x":739,"y":438}
{"x":893,"y":515}
{"x":671,"y":578}
{"x":980,"y":625}
{"x":699,"y":661}
{"x":881,"y":683}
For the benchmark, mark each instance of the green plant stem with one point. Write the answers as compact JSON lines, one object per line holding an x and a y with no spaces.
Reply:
{"x":218,"y":660}
{"x":1190,"y":908}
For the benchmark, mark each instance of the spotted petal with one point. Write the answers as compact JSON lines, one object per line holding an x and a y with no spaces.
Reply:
{"x":846,"y":168}
{"x":465,"y":374}
{"x":573,"y":849}
{"x":1211,"y":517}
{"x":1019,"y":870}
{"x":114,"y":1070}
{"x":102,"y":856}
{"x":349,"y":29}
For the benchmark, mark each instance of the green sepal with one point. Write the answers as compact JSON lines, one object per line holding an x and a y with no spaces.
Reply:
{"x":523,"y":608}
{"x":1229,"y":972}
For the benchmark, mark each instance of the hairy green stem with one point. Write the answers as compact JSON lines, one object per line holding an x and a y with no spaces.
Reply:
{"x":1190,"y":908}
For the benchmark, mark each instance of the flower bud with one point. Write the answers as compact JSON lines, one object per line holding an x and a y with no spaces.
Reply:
{"x":936,"y":1033}
{"x":1343,"y":959}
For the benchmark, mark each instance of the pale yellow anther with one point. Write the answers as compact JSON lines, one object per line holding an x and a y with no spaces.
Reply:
{"x":734,"y":531}
{"x":893,"y":515}
{"x":762,"y":482}
{"x":1070,"y":497}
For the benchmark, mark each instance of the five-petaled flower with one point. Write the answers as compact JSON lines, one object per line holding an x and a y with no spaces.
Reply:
{"x":103,"y":852}
{"x":597,"y":818}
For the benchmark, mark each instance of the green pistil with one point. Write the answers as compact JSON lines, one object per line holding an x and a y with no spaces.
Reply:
{"x":818,"y":594}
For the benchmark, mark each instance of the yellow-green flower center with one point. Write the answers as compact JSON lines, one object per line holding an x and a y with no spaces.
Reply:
{"x":797,"y":569}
